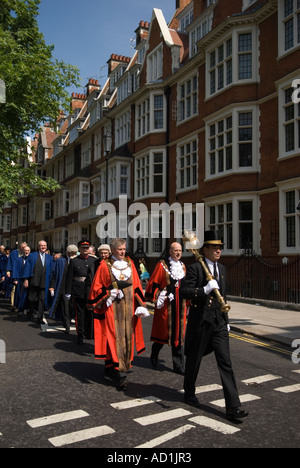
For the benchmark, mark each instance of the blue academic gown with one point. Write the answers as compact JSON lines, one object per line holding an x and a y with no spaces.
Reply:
{"x":21,"y":293}
{"x":58,"y":270}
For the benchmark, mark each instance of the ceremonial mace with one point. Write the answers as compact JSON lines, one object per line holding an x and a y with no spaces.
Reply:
{"x":189,"y":237}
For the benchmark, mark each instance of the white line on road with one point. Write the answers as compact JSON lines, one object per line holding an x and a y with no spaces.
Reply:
{"x":243,"y":399}
{"x":159,"y":417}
{"x":57,"y":418}
{"x":288,"y":389}
{"x":79,"y":436}
{"x":206,"y":388}
{"x":215,"y":425}
{"x":261,"y":379}
{"x":134,"y":403}
{"x":166,"y":437}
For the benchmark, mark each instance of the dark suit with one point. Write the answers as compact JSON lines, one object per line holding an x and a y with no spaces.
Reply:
{"x":206,"y":332}
{"x":40,"y":281}
{"x":75,"y":286}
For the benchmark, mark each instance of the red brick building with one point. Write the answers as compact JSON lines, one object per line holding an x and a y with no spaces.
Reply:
{"x":204,"y":112}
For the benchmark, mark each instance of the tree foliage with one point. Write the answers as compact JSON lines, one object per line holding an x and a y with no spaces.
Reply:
{"x":36,"y":90}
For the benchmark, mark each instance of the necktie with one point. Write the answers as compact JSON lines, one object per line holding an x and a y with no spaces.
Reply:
{"x":43,"y":259}
{"x":216,"y":272}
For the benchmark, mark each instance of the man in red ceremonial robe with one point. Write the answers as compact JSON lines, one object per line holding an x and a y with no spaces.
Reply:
{"x":169,"y":320}
{"x":117,"y":298}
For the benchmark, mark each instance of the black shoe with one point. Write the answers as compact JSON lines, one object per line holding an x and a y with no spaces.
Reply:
{"x":154,"y":361}
{"x":178,"y":371}
{"x":236,"y":413}
{"x":67,"y":331}
{"x":122,"y":384}
{"x":40,"y":321}
{"x":192,"y":401}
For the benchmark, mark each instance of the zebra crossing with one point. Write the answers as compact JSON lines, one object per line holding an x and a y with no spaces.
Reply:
{"x":190,"y":419}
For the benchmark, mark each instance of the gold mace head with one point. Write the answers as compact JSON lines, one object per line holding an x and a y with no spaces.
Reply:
{"x":191,"y":240}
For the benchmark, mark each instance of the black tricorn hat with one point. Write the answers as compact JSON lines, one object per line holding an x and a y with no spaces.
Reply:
{"x":212,"y":238}
{"x":84,"y":243}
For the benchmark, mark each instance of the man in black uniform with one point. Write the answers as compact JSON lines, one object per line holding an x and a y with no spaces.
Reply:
{"x":75,"y":287}
{"x":207,"y":326}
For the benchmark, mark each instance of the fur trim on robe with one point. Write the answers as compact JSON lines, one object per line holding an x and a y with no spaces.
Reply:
{"x":116,"y":327}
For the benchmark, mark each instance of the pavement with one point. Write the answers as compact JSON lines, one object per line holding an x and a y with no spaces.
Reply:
{"x":272,"y":321}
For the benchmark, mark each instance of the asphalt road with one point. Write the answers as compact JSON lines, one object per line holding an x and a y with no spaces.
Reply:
{"x":54,"y":394}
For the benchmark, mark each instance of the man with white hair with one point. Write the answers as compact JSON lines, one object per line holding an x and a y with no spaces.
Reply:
{"x":118,"y":301}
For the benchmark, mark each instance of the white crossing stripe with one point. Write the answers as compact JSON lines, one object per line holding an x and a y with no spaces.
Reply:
{"x":159,"y":417}
{"x":288,"y":389}
{"x":166,"y":437}
{"x":297,"y":371}
{"x":261,"y":379}
{"x":57,"y":418}
{"x":215,"y":425}
{"x":79,"y":436}
{"x":206,"y":388}
{"x":243,"y":399}
{"x":134,"y":403}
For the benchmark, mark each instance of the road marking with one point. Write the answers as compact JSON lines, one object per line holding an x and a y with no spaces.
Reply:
{"x":134,"y":403}
{"x":47,"y":328}
{"x":243,"y":399}
{"x":159,"y":417}
{"x":261,"y":379}
{"x":79,"y":436}
{"x":288,"y":389}
{"x":206,"y":388}
{"x":297,"y":371}
{"x":57,"y":418}
{"x":166,"y":437}
{"x":215,"y":425}
{"x":260,"y":343}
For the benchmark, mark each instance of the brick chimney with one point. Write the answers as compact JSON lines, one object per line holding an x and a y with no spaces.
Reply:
{"x":78,"y":100}
{"x":182,"y":4}
{"x":91,"y":86}
{"x":142,"y":32}
{"x":115,"y":60}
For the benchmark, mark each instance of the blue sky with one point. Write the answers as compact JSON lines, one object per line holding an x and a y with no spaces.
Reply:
{"x":86,"y":33}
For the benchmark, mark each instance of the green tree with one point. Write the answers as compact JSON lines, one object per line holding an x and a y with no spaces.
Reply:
{"x":36,"y":90}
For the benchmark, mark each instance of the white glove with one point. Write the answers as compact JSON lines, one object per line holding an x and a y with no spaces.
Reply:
{"x":228,"y":327}
{"x":141,"y":312}
{"x":68,"y":296}
{"x":171,"y":297}
{"x":212,"y":284}
{"x":113,"y":294}
{"x":161,"y":299}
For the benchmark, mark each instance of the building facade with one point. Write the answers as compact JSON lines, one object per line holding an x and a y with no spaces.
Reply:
{"x":206,"y":112}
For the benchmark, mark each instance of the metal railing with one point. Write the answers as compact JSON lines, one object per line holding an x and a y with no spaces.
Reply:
{"x":250,"y":276}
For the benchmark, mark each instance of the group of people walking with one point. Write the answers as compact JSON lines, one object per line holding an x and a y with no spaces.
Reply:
{"x":105,"y":294}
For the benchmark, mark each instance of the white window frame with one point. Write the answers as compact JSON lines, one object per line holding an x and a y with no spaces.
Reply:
{"x":236,"y":168}
{"x":284,"y":120}
{"x":292,"y":18}
{"x":86,"y":154}
{"x":145,"y":172}
{"x":84,"y":194}
{"x":155,"y":64}
{"x":284,"y":188}
{"x":145,"y":120}
{"x":235,"y":221}
{"x":187,"y":164}
{"x":187,"y":98}
{"x":123,"y":128}
{"x":231,"y":54}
